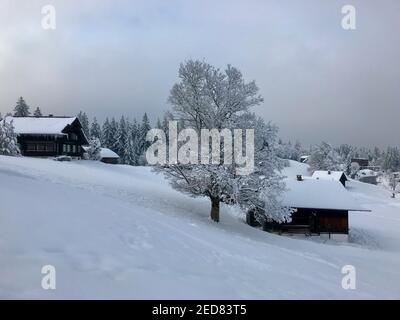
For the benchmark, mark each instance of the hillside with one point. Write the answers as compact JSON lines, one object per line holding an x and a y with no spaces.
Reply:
{"x":122,"y":232}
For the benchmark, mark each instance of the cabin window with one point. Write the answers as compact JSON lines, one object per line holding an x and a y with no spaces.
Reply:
{"x":73,"y":136}
{"x":74,"y":149}
{"x":31,"y":147}
{"x":50,"y":147}
{"x":64,"y":148}
{"x":68,"y":148}
{"x":40,"y":147}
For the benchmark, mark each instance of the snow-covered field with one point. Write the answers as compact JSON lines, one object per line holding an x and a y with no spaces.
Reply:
{"x":122,"y":232}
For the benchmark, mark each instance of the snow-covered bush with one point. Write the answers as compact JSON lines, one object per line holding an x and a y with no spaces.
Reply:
{"x":94,"y":150}
{"x":325,"y":157}
{"x":8,"y":139}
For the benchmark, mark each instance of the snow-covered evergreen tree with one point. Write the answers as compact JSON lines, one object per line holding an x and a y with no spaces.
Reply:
{"x":135,"y":141}
{"x":95,"y":130}
{"x":131,"y":153}
{"x":122,"y":139}
{"x":207,"y":98}
{"x":106,"y":134}
{"x":37,"y":112}
{"x":391,"y":159}
{"x":94,"y":150}
{"x":84,"y":120}
{"x":8,"y":139}
{"x":325,"y":157}
{"x":114,"y":144}
{"x":143,"y":144}
{"x":21,"y":109}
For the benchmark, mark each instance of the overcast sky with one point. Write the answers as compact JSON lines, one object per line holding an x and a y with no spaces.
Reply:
{"x":108,"y":58}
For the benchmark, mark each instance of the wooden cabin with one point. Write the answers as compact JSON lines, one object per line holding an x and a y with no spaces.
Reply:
{"x":322,"y":209}
{"x":49,"y":136}
{"x":108,"y":156}
{"x":339,"y":176}
{"x":362,"y":162}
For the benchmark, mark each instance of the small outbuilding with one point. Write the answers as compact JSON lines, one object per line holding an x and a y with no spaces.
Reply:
{"x":367,"y":176}
{"x":108,"y":156}
{"x":362,"y":162}
{"x":339,"y":176}
{"x":322,"y":209}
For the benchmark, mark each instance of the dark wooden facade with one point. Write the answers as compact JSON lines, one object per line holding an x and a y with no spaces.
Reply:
{"x":110,"y":160}
{"x":362,"y":162}
{"x":309,"y":221}
{"x":69,"y":142}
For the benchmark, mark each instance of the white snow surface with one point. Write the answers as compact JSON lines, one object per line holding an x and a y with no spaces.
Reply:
{"x":45,"y":125}
{"x":122,"y":232}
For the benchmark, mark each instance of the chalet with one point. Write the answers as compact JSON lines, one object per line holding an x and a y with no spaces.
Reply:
{"x":49,"y":136}
{"x":322,"y":209}
{"x":362,"y":162}
{"x":331,"y":176}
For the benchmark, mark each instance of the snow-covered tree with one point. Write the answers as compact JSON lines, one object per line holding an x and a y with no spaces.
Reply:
{"x":289,"y":151}
{"x":114,"y":144}
{"x":325,"y":157}
{"x":95,"y":130}
{"x":37,"y":112}
{"x":94,"y":150}
{"x":207,"y":98}
{"x":142,"y":143}
{"x":354,"y":168}
{"x":8,"y":139}
{"x":391,"y":159}
{"x":106,"y":134}
{"x":260,"y":191}
{"x":122,"y":139}
{"x":21,"y":109}
{"x":84,"y":120}
{"x":131,"y":153}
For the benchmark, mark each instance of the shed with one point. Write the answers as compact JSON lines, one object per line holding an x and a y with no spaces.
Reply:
{"x":109,"y":156}
{"x":322,"y":209}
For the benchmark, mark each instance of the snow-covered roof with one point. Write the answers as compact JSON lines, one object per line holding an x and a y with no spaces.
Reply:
{"x":42,"y":125}
{"x":366,"y":173}
{"x":328,"y":175}
{"x":104,"y":152}
{"x":107,"y":153}
{"x":319,"y":194}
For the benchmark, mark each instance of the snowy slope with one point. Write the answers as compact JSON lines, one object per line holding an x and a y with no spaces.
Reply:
{"x":296,"y":168}
{"x":122,"y":232}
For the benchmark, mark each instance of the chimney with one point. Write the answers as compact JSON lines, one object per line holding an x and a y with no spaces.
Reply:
{"x":50,"y":116}
{"x":299,"y":177}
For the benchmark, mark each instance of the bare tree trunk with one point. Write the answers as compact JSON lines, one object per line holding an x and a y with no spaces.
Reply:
{"x":215,"y":209}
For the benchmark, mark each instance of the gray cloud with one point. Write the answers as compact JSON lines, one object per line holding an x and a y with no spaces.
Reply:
{"x":121,"y":57}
